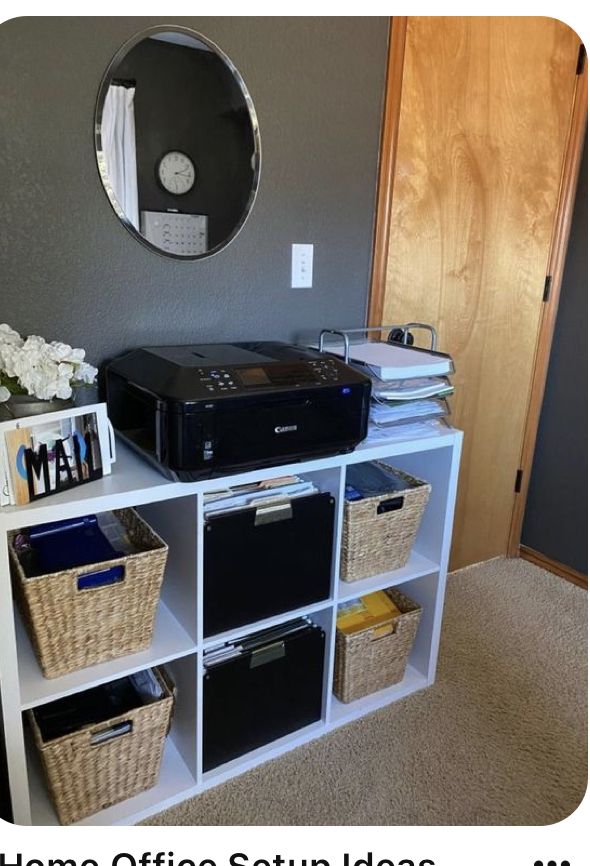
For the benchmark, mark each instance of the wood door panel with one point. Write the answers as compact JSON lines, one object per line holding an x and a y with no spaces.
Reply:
{"x":484,"y":119}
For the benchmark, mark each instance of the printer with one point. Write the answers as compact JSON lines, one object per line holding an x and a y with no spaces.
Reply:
{"x":204,"y":410}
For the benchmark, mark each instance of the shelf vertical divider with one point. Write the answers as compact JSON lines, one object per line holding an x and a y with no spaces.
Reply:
{"x":10,"y":695}
{"x":199,"y":576}
{"x":339,"y":520}
{"x":331,"y":634}
{"x":449,"y":514}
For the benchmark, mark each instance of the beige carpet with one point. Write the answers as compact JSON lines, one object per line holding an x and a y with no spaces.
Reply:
{"x":499,"y":739}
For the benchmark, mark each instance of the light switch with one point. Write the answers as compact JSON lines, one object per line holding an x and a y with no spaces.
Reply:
{"x":301,"y":266}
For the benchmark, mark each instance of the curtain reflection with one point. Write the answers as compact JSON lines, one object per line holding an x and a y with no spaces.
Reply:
{"x":118,"y":143}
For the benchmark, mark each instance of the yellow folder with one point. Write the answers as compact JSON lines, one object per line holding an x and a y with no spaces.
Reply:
{"x":369,"y":611}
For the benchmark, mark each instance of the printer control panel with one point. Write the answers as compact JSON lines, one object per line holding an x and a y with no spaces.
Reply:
{"x":326,"y":369}
{"x":218,"y":381}
{"x":228,"y":380}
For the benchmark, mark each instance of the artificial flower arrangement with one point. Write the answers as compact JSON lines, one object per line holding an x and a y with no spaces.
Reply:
{"x":44,"y":370}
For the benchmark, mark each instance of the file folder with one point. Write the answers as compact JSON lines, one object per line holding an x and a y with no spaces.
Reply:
{"x":98,"y":704}
{"x":271,"y":687}
{"x":66,"y":544}
{"x":259,"y":562}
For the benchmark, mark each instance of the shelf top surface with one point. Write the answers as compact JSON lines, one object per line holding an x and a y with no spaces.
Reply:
{"x":416,"y":566}
{"x":134,"y":481}
{"x":170,"y":641}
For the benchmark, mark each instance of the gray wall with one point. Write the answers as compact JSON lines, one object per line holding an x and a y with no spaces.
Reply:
{"x":556,"y":517}
{"x":70,"y":271}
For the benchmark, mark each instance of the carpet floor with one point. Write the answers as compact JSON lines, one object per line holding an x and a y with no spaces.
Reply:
{"x":499,"y":739}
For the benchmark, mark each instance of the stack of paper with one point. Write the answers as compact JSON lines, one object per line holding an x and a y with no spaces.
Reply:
{"x":258,"y":493}
{"x":405,"y":431}
{"x":411,"y":389}
{"x":408,"y":385}
{"x":395,"y":361}
{"x":398,"y":412}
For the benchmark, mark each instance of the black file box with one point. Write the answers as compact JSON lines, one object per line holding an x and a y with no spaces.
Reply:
{"x":262,"y":561}
{"x":272,"y":689}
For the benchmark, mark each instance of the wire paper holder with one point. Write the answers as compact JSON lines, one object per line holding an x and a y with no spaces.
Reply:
{"x":405,"y":329}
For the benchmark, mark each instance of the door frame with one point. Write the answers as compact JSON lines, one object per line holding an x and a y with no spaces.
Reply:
{"x":557,"y":254}
{"x":555,"y":267}
{"x":388,"y":152}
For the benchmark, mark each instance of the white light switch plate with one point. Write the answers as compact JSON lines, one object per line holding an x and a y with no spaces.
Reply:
{"x":301,"y":266}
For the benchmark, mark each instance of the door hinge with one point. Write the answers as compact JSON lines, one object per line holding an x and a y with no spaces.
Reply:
{"x":547,"y":289}
{"x":518,"y":482}
{"x":581,"y":59}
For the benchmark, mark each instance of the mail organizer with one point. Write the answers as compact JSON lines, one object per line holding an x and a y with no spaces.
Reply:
{"x":103,"y":745}
{"x":86,"y":600}
{"x":372,"y":652}
{"x":382,"y":513}
{"x":260,"y":689}
{"x":264,"y":560}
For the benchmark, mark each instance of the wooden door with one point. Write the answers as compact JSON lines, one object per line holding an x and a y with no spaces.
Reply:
{"x":483,"y":126}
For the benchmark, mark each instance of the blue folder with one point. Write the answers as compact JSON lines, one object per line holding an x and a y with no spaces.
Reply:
{"x":65,"y":544}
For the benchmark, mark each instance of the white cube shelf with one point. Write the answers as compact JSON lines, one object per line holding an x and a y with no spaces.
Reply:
{"x":175,"y":510}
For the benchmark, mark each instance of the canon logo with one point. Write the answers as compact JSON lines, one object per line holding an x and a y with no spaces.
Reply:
{"x":288,"y":429}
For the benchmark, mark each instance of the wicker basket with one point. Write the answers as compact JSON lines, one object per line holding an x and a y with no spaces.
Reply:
{"x":369,"y":660}
{"x":84,"y":777}
{"x":378,"y":532}
{"x":72,"y":628}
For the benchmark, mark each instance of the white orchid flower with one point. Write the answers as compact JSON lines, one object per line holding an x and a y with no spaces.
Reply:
{"x":44,"y":370}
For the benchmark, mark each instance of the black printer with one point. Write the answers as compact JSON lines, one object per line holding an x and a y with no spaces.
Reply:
{"x":198,"y":411}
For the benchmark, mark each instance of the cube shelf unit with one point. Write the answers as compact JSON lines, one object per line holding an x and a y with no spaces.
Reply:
{"x":175,"y":510}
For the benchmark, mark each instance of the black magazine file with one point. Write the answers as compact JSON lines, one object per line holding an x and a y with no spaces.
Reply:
{"x":262,"y":695}
{"x":254,"y":569}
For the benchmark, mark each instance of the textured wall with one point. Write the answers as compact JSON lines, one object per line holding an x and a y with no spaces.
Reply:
{"x":556,"y":516}
{"x":69,"y":270}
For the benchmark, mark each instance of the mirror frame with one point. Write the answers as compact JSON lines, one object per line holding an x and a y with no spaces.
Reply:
{"x":102,"y":170}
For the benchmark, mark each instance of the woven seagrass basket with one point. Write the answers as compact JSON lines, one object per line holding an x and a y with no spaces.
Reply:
{"x":370,"y":660}
{"x":72,"y":628}
{"x":85,"y":773}
{"x":378,"y":532}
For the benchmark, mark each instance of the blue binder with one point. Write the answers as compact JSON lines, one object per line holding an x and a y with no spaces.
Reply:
{"x":65,"y":544}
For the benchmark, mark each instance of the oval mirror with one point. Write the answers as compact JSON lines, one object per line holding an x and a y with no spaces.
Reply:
{"x":177,"y":142}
